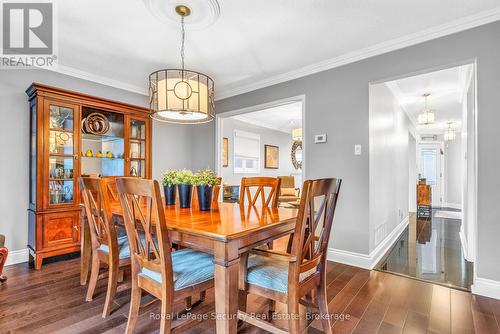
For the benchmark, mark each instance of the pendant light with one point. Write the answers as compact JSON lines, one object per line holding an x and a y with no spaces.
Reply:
{"x":297,"y":134}
{"x":426,"y":116}
{"x":450,"y":134}
{"x":179,"y":95}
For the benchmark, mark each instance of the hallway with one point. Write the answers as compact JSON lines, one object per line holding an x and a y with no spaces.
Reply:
{"x":430,"y":249}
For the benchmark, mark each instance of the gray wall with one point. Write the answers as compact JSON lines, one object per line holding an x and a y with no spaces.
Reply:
{"x":267,"y":136}
{"x":171,"y":143}
{"x":337,"y":104}
{"x":389,"y":171}
{"x":453,"y":181}
{"x":412,"y":173}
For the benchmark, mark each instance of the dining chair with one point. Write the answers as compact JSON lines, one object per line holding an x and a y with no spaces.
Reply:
{"x":107,"y":246}
{"x":289,"y":276}
{"x":3,"y":257}
{"x":260,"y":185}
{"x":169,"y":276}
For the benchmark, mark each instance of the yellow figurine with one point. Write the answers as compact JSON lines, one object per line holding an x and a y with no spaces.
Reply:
{"x":98,"y":154}
{"x":89,"y":153}
{"x":109,"y":154}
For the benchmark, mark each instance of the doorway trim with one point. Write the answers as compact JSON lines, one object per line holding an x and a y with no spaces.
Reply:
{"x":221,"y":116}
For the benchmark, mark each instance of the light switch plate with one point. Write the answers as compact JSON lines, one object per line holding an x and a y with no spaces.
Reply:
{"x":357,"y":149}
{"x":320,"y":138}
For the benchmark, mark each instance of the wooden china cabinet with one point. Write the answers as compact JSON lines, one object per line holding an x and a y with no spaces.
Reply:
{"x":63,"y":147}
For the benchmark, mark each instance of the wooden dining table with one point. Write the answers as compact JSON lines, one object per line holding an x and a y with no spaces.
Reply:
{"x":226,"y":232}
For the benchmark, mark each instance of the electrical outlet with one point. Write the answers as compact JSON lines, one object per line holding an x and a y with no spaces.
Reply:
{"x":357,"y":149}
{"x":320,"y":138}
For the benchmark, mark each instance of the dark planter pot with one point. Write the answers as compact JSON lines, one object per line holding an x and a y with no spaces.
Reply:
{"x":185,"y":191}
{"x":169,"y":195}
{"x":205,"y":197}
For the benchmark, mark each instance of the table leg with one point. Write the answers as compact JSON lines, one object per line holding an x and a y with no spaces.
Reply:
{"x":85,"y":250}
{"x":226,"y":259}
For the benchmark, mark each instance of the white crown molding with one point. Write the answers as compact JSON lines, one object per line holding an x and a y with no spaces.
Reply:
{"x":462,"y":24}
{"x":17,"y":256}
{"x":368,"y":261}
{"x":67,"y":70}
{"x":378,"y":49}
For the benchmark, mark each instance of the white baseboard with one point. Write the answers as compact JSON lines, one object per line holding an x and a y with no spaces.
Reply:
{"x":486,"y":287}
{"x":349,"y":258}
{"x":17,"y":256}
{"x":452,"y":206}
{"x":368,"y":261}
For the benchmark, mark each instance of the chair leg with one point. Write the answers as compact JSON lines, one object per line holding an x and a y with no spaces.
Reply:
{"x":166,"y":316}
{"x":113,"y":276}
{"x":135,"y":303}
{"x":94,"y":274}
{"x":272,"y":308}
{"x":293,"y":315}
{"x":323,"y":308}
{"x":242,"y":304}
{"x":189,"y":303}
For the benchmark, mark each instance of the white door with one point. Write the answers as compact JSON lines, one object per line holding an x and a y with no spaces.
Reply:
{"x":430,"y":169}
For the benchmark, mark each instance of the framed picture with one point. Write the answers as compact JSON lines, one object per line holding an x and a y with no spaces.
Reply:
{"x":271,"y":157}
{"x":225,"y":152}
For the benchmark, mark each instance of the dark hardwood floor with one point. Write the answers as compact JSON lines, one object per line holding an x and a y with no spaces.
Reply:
{"x":52,"y":301}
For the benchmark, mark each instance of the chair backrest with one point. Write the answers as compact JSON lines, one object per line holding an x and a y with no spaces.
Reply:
{"x":287,"y":181}
{"x":143,"y":213}
{"x":261,"y":185}
{"x":95,"y":197}
{"x":313,"y":225}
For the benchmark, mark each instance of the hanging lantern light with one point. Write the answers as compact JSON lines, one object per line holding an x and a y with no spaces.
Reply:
{"x":180,"y":95}
{"x":426,"y":116}
{"x":450,"y":134}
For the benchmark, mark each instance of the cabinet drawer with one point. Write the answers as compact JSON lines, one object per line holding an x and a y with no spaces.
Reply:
{"x":60,"y":229}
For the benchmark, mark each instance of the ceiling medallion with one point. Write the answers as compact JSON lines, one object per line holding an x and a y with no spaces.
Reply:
{"x":179,"y":95}
{"x":203,"y":13}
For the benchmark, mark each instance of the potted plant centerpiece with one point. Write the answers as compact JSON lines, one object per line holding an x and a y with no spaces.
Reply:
{"x":185,"y":187}
{"x":169,"y":186}
{"x":205,"y":180}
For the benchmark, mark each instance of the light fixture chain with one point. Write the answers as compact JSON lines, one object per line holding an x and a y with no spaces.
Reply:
{"x":183,"y":36}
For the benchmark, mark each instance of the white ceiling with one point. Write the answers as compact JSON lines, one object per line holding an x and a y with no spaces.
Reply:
{"x":253,"y":43}
{"x":283,"y":118}
{"x":447,"y":88}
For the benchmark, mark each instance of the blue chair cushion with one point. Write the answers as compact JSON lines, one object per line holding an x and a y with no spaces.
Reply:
{"x":190,"y":267}
{"x":123,"y":247}
{"x":270,"y":273}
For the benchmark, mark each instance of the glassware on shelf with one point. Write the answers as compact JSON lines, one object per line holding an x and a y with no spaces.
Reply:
{"x":137,"y":129}
{"x":60,"y":192}
{"x":138,"y":168}
{"x":60,"y":167}
{"x":137,"y":149}
{"x":61,"y":118}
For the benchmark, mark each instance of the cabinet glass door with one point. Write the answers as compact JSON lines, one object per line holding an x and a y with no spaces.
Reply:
{"x":137,"y":148}
{"x":61,"y":154}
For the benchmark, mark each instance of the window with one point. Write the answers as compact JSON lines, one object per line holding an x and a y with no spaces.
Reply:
{"x":246,"y":156}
